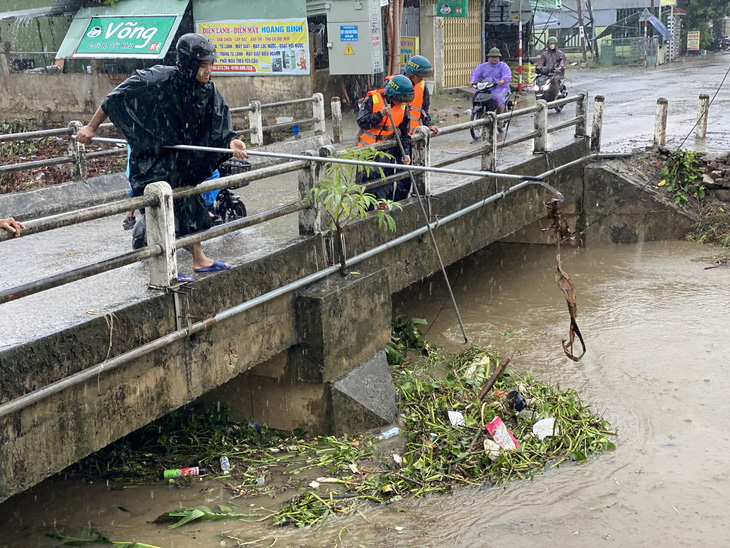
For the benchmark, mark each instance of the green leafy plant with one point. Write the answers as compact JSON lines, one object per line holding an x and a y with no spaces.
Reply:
{"x":683,"y":177}
{"x":345,"y":200}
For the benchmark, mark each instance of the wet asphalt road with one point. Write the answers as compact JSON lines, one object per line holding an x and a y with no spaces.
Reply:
{"x":630,"y":103}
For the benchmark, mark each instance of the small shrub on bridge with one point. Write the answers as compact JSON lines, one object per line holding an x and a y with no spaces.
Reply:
{"x":682,"y":173}
{"x":345,"y":200}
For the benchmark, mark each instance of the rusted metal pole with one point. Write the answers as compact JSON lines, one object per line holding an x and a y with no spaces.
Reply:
{"x":597,"y":127}
{"x":660,"y":122}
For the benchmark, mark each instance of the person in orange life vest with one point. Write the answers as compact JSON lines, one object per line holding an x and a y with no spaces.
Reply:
{"x":381,"y":114}
{"x":417,"y":70}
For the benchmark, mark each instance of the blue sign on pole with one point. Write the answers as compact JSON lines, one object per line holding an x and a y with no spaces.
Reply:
{"x":348,"y":33}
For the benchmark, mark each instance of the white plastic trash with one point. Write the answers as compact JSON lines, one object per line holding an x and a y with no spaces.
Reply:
{"x":456,"y":418}
{"x":544,"y":428}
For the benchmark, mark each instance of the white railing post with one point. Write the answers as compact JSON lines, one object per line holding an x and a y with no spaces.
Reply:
{"x":540,"y":144}
{"x":256,"y":123}
{"x":421,"y":156}
{"x":703,"y":108}
{"x":336,"y":107}
{"x":160,"y":221}
{"x":660,"y":122}
{"x":489,"y":143}
{"x":318,"y":113}
{"x":311,"y":220}
{"x":581,"y":111}
{"x":78,"y":152}
{"x":597,"y":127}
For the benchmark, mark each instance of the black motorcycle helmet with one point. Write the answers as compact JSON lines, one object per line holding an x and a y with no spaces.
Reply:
{"x":191,"y":50}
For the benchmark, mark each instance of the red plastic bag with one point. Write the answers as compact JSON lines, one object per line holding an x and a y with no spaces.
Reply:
{"x":502,"y":436}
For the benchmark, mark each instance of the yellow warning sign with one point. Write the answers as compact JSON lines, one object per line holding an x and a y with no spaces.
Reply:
{"x":348,"y":50}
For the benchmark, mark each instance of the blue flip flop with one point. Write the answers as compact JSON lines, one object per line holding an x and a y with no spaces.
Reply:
{"x":215,"y":267}
{"x":184,"y":278}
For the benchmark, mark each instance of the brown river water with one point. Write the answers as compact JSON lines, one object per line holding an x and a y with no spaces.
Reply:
{"x":657,"y":327}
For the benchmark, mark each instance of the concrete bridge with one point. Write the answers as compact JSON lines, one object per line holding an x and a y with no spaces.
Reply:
{"x":275,"y":340}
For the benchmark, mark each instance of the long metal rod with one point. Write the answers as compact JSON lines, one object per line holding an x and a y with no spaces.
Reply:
{"x":430,"y":232}
{"x":91,"y":372}
{"x":496,"y":175}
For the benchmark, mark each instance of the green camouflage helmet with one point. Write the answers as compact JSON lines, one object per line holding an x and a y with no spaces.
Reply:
{"x":418,"y":65}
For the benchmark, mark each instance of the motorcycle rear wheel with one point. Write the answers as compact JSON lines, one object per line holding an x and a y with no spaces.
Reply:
{"x":476,"y":132}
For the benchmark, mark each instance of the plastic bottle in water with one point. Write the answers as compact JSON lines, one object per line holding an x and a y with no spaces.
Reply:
{"x":389,"y":433}
{"x":225,"y":465}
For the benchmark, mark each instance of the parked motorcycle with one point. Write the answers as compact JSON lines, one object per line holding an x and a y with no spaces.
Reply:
{"x":226,"y":207}
{"x":482,"y":103}
{"x":723,"y":44}
{"x":546,"y":86}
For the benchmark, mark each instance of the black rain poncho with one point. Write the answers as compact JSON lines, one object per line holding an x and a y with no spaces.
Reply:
{"x":166,"y":106}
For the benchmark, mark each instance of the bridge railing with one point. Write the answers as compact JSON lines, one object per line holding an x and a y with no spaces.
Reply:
{"x":157,"y":200}
{"x":78,"y":156}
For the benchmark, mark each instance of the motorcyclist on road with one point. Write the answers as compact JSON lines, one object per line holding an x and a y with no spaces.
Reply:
{"x":494,"y":69}
{"x":554,"y":58}
{"x":383,"y":112}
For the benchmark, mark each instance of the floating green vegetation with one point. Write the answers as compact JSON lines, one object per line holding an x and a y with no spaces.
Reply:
{"x":443,"y":441}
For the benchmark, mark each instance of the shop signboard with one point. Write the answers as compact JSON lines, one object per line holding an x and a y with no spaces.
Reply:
{"x":114,"y":36}
{"x":261,"y":47}
{"x":452,"y":8}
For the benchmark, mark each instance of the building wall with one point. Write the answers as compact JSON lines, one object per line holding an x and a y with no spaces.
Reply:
{"x":212,"y":10}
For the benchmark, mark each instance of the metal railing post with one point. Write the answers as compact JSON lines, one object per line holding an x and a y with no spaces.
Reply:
{"x":78,"y":152}
{"x":256,"y":123}
{"x":489,"y":143}
{"x":597,"y":127}
{"x":336,"y":107}
{"x":540,"y":120}
{"x":160,"y":221}
{"x":581,"y":111}
{"x":660,"y":122}
{"x":703,"y":108}
{"x":311,"y":219}
{"x":318,"y":113}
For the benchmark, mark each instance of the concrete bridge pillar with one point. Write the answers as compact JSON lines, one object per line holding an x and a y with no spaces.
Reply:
{"x":336,"y":379}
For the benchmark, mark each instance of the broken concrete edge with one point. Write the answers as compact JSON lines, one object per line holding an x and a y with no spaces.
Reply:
{"x":55,"y":199}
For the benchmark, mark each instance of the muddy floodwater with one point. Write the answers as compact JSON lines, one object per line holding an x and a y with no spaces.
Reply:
{"x":657,"y":327}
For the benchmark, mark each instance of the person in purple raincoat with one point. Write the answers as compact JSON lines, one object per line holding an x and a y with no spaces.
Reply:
{"x":494,"y":69}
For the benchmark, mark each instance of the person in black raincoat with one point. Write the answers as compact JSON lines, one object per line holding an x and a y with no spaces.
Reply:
{"x":173,"y":105}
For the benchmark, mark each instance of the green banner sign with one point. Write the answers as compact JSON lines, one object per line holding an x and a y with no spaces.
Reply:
{"x":452,"y":8}
{"x":546,"y":5}
{"x":137,"y":36}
